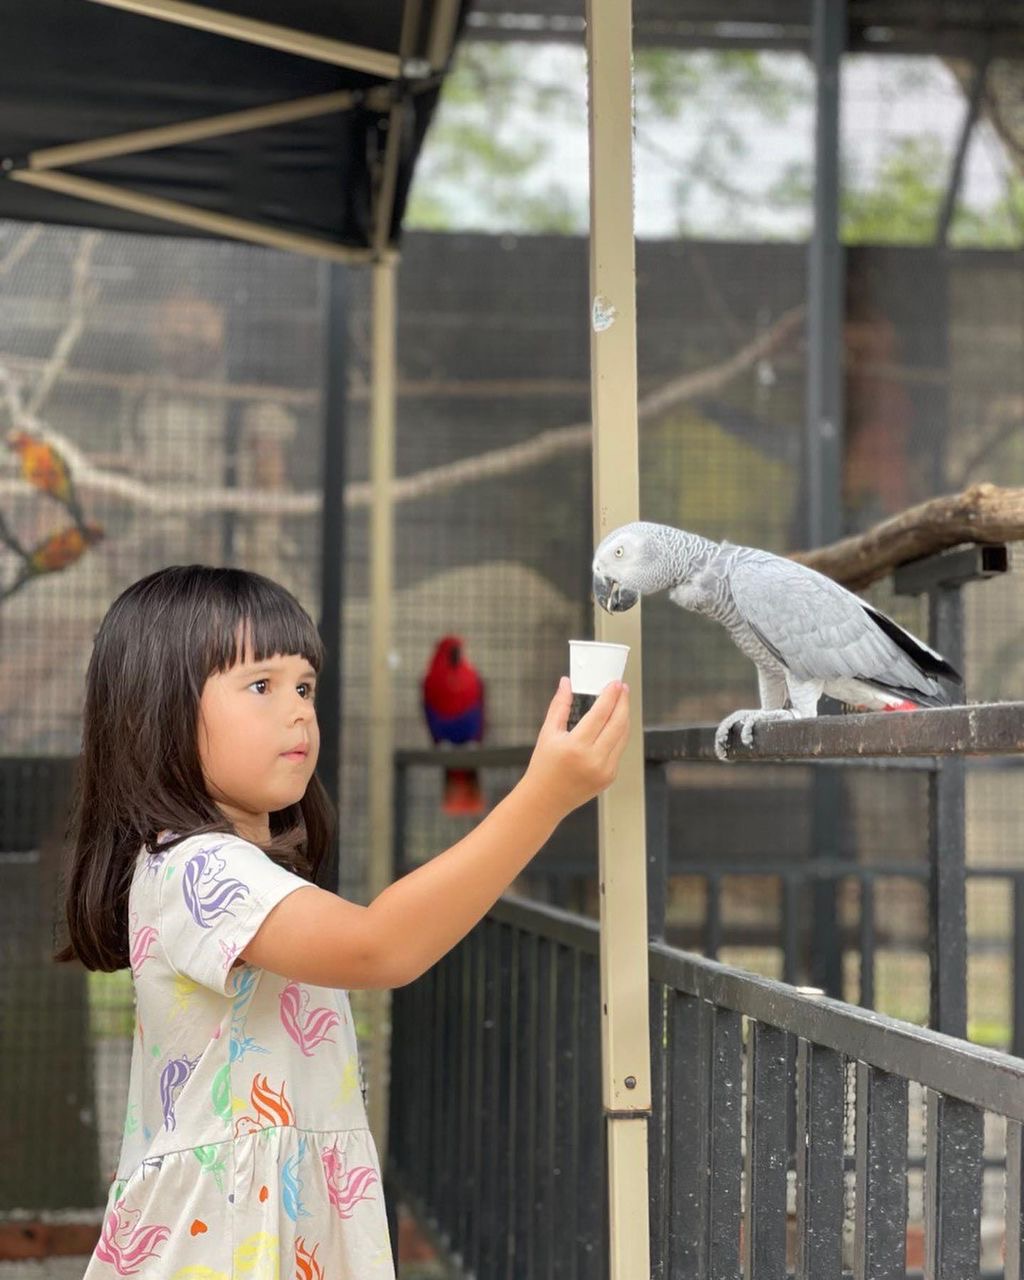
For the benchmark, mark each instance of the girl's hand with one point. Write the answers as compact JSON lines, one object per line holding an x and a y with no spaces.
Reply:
{"x":569,"y":768}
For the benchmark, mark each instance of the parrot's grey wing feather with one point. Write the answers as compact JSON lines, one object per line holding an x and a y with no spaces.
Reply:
{"x":816,"y":628}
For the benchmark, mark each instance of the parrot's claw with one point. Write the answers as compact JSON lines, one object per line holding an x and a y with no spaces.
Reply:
{"x":745,"y":721}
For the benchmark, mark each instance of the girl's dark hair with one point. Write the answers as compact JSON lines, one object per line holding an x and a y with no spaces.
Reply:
{"x":139,"y":773}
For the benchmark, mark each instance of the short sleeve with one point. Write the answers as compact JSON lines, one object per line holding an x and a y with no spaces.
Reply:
{"x":215,"y":893}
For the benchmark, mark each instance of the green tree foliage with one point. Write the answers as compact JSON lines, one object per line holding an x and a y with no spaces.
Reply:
{"x":507,"y":150}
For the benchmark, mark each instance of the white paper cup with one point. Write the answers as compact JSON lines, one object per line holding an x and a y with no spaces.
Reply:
{"x":594,"y":664}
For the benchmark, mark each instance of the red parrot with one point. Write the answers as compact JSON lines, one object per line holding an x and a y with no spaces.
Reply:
{"x":453,"y":704}
{"x":45,"y":469}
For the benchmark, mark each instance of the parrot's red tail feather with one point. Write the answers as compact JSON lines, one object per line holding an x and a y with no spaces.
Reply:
{"x":902,"y":706}
{"x":462,"y":793}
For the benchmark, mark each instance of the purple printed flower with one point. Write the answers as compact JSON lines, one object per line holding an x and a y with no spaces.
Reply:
{"x":209,"y":892}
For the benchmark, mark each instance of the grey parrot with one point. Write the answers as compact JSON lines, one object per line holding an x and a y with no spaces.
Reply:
{"x":805,"y":634}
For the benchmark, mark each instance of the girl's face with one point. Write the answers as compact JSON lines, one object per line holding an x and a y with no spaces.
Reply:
{"x":258,"y":738}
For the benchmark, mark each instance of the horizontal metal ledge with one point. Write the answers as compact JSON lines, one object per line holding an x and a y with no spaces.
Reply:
{"x":983,"y":1077}
{"x":577,"y":932}
{"x":909,"y":739}
{"x":995,"y":728}
{"x":463,"y":757}
{"x":952,"y":568}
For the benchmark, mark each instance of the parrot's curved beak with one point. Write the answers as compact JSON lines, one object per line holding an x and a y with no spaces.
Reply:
{"x":612,"y":596}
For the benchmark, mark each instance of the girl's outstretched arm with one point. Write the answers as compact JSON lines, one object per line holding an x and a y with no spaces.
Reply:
{"x":315,"y":936}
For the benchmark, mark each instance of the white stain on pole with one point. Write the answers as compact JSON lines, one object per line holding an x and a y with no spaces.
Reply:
{"x":602,"y":314}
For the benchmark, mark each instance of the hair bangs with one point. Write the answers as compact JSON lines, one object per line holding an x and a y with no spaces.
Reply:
{"x":253,"y":620}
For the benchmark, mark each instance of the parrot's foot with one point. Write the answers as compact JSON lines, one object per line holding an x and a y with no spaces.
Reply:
{"x":746,"y":720}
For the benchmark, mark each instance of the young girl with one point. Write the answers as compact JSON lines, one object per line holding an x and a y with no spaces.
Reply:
{"x":199,"y":828}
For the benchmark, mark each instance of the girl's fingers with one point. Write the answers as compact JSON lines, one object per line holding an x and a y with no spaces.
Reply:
{"x":591,"y":725}
{"x":615,"y":734}
{"x":616,"y":720}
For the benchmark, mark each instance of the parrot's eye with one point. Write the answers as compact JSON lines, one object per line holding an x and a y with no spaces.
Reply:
{"x":619,"y":553}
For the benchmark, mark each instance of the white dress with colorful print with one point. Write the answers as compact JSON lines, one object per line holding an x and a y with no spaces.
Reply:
{"x":246,"y":1150}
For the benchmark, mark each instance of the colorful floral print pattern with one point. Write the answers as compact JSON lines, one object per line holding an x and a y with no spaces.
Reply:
{"x":307,"y":1027}
{"x":246,"y":1151}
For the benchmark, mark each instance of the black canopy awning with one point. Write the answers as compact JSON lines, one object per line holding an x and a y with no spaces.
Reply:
{"x":294,"y":123}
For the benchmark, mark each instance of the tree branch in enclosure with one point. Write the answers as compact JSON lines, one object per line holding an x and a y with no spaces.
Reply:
{"x":427,"y":483}
{"x":981,"y":513}
{"x":82,"y":292}
{"x":20,"y":247}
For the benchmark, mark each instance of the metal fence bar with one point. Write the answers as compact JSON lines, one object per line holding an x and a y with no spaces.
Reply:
{"x":425,"y":998}
{"x":453,"y":1102}
{"x":725,"y":1168}
{"x":489,"y":1119}
{"x":764,"y":1233}
{"x":826,"y":958}
{"x":506,"y":1031}
{"x":658,"y":1150}
{"x":791,"y":928}
{"x":656,"y":805}
{"x":820,"y":1087}
{"x":1017,"y":944}
{"x":477,"y":1072}
{"x":713,"y":917}
{"x":866,"y":937}
{"x":517,"y":1018}
{"x":566,"y":1142}
{"x":544,"y":1223}
{"x":947,"y":903}
{"x":464,"y":1198}
{"x":953,"y":1178}
{"x":398,"y":1098}
{"x":1014,"y":1214}
{"x":525,"y":1095}
{"x":444,"y":1088}
{"x":880,"y":1221}
{"x":689,"y":1089}
{"x":400,"y":802}
{"x":591,"y":1254}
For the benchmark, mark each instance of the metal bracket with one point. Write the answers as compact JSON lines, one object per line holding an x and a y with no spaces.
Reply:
{"x":951,"y":568}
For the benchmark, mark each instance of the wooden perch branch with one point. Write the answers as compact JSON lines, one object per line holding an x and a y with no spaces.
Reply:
{"x":981,"y":513}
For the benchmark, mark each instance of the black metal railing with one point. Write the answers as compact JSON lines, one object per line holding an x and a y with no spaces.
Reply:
{"x":496,"y":1119}
{"x":496,"y":1129}
{"x":928,"y":741}
{"x":921,"y":742}
{"x":496,"y":1126}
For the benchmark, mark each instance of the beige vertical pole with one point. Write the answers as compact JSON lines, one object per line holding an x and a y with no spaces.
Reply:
{"x":382,"y":469}
{"x":621,"y":827}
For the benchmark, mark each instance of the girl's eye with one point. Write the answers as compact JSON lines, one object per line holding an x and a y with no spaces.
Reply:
{"x":261,"y":686}
{"x":306,"y":691}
